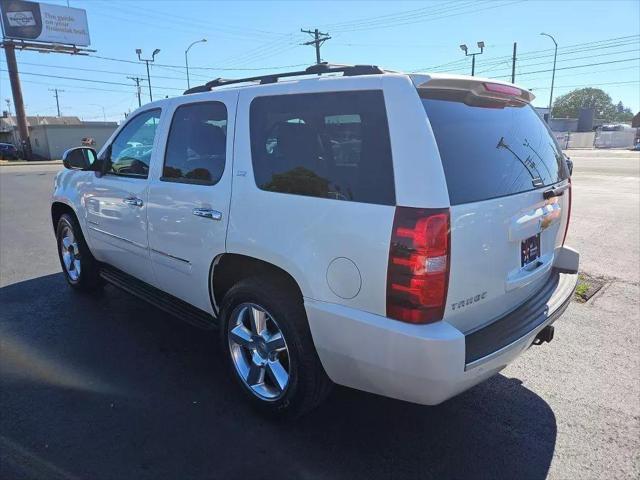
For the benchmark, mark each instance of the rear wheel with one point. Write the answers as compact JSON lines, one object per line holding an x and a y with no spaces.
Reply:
{"x":80,"y":268}
{"x":266,"y":339}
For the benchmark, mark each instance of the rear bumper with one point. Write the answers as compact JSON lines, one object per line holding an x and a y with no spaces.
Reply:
{"x":539,"y":311}
{"x":428,"y":364}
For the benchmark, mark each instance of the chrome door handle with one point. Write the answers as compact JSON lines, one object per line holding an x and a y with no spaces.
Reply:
{"x":136,"y":202}
{"x":207,"y":213}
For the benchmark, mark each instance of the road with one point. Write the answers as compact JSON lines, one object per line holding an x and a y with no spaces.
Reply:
{"x":104,"y":387}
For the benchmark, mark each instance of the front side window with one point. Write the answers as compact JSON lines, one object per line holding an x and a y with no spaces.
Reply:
{"x":329,"y":145}
{"x":131,"y":150}
{"x":196,"y":147}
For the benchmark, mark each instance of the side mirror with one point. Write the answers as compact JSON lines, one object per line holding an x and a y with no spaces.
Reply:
{"x":79,"y":158}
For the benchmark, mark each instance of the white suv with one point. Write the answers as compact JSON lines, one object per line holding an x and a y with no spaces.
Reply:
{"x":398,"y":234}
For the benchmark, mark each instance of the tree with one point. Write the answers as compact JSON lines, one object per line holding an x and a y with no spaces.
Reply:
{"x":569,"y":105}
{"x":623,"y":114}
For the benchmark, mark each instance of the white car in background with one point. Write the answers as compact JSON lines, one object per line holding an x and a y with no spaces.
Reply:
{"x":398,"y":234}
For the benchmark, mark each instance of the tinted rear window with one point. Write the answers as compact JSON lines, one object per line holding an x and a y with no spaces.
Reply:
{"x":328,"y":145}
{"x":493,"y":152}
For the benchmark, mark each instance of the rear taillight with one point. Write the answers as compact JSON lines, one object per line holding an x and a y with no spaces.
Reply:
{"x":566,"y":228}
{"x":418,"y":270}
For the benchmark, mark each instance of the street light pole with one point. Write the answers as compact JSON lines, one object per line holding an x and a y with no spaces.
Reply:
{"x":553,"y":74}
{"x":147,"y":60}
{"x":465,"y":49}
{"x":186,"y":58}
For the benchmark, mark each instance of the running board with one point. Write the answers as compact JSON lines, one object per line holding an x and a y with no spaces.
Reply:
{"x":170,"y":304}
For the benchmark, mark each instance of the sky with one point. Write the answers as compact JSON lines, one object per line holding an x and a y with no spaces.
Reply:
{"x":598,"y":46}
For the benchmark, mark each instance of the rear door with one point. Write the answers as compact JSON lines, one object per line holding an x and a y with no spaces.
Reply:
{"x":189,"y":196}
{"x":313,"y":190}
{"x":499,"y":159}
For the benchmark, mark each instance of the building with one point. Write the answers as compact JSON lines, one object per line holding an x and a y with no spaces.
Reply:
{"x":51,"y":136}
{"x":566,"y":124}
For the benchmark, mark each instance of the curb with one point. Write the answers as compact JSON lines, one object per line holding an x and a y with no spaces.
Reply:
{"x":11,"y":163}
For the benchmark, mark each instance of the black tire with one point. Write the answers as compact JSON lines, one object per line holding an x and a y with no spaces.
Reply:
{"x":87,"y":278}
{"x":308,"y":384}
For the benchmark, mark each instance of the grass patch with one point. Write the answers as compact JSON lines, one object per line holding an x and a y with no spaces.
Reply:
{"x":581,"y":290}
{"x":587,"y":287}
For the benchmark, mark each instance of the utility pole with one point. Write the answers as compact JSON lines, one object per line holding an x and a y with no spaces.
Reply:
{"x":318,"y":39}
{"x":147,"y":61}
{"x":18,"y":102}
{"x":57,"y":100}
{"x":104,"y":115}
{"x":137,"y":80}
{"x":513,"y":63}
{"x":465,"y":49}
{"x":553,"y":75}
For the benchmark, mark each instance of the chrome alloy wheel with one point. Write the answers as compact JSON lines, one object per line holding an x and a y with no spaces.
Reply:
{"x":70,"y":253}
{"x":259,"y":351}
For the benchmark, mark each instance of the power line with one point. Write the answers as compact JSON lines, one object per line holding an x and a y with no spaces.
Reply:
{"x":182,"y":27}
{"x":608,"y":54}
{"x":499,"y":62}
{"x":428,"y":18}
{"x":571,"y":52}
{"x":591,"y":72}
{"x":172,"y":18}
{"x":106,"y":82}
{"x":122,"y":60}
{"x":578,"y":48}
{"x":260,"y":53}
{"x":76,"y":87}
{"x":592,"y":45}
{"x":390,"y":19}
{"x":575,"y":66}
{"x":93,"y":70}
{"x":587,"y":85}
{"x":387,"y":17}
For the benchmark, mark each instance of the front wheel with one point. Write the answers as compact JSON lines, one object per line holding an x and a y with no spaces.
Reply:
{"x":266,"y":339}
{"x":81,"y":270}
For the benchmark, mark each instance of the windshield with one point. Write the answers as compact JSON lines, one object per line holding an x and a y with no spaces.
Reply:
{"x":490,"y":152}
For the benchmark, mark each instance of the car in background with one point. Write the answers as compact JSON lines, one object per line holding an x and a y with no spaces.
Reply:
{"x":8,"y":151}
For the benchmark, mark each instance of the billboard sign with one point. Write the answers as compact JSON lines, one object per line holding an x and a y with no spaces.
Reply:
{"x":43,"y":22}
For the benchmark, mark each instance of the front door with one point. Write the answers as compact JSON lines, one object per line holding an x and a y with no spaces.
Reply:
{"x":189,"y":196}
{"x":116,"y":202}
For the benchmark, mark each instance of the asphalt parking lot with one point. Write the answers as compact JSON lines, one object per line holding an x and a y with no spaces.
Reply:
{"x":104,"y":387}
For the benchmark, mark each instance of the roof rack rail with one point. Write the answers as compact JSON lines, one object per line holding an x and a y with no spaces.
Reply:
{"x":320,"y":68}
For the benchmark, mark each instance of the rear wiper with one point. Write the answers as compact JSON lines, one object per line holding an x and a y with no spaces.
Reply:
{"x":555,"y":191}
{"x":537,"y":182}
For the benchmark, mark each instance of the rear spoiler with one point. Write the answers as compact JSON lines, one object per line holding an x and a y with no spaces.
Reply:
{"x":473,"y":90}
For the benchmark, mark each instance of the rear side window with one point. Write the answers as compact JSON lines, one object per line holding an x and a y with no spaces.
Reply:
{"x":328,"y":145}
{"x":196,"y":147}
{"x":493,"y":152}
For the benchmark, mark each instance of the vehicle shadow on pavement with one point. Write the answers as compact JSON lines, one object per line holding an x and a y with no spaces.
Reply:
{"x":105,"y":386}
